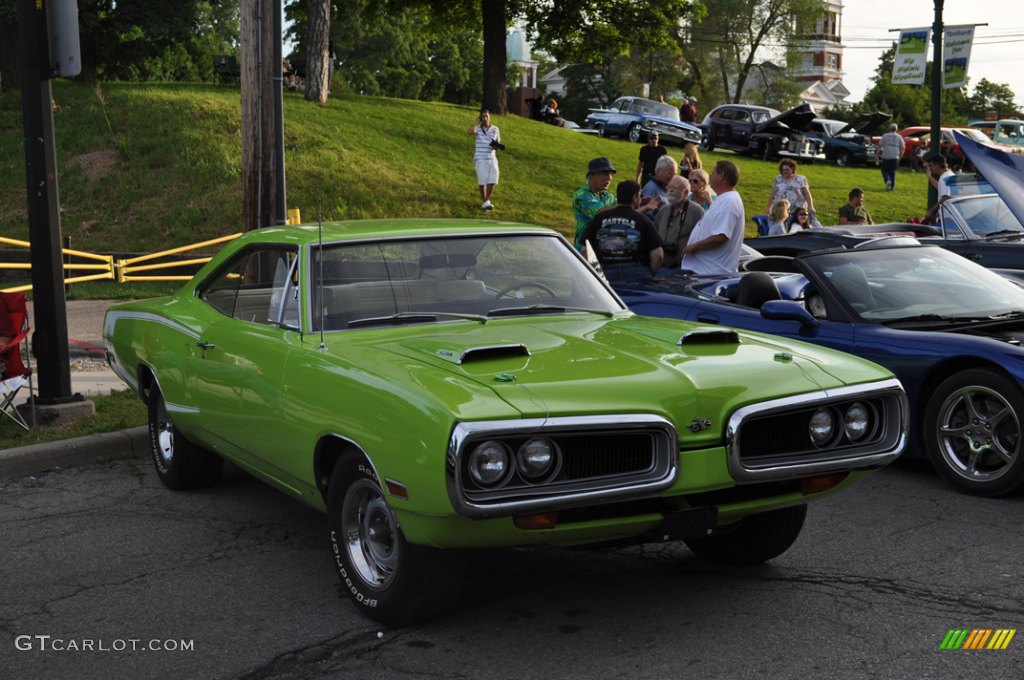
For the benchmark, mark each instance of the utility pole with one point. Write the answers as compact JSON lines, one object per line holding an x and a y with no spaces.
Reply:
{"x":936,"y":134}
{"x":50,"y":339}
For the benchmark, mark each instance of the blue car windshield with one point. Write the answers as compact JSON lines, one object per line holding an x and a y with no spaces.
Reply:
{"x":886,"y":284}
{"x":442,"y":279}
{"x":987,"y":215}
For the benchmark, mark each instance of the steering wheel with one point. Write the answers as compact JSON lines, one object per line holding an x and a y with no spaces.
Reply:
{"x":525,"y":284}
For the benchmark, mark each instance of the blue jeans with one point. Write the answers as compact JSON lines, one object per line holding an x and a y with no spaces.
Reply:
{"x":889,"y":166}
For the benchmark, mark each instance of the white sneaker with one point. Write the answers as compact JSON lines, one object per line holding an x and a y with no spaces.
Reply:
{"x":486,"y":205}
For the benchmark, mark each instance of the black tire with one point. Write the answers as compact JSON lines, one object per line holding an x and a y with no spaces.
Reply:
{"x":767,"y":151}
{"x":635,"y":134}
{"x":388,"y":579}
{"x":179,"y":463}
{"x":973,"y":432}
{"x":754,"y":539}
{"x":843,"y":159}
{"x":707,"y":141}
{"x":600,"y":131}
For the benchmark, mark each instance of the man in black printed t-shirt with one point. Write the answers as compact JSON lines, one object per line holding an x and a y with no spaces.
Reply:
{"x":624,"y":241}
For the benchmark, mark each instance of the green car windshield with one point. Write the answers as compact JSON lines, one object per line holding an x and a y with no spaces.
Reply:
{"x":428,"y":280}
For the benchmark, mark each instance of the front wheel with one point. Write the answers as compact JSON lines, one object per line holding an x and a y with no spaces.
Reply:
{"x":179,"y":463}
{"x":389,"y":579}
{"x":843,"y":159}
{"x":634,"y":133}
{"x":973,"y":432}
{"x":754,"y":539}
{"x":767,"y":152}
{"x":707,"y":142}
{"x":600,"y":131}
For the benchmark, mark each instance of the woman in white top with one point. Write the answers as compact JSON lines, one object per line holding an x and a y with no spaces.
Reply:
{"x":801,"y":220}
{"x":791,"y":186}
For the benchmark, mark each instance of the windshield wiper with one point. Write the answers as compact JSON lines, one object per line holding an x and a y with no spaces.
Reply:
{"x":1006,"y":232}
{"x":545,"y":309}
{"x":414,"y":317}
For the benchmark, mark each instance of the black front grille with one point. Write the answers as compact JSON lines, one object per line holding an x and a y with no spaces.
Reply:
{"x":590,"y":456}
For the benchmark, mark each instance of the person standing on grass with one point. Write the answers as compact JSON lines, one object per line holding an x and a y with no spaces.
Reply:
{"x":488,"y":139}
{"x":649,"y":155}
{"x":793,"y":187}
{"x":717,"y":241}
{"x":592,"y":197}
{"x":888,"y":153}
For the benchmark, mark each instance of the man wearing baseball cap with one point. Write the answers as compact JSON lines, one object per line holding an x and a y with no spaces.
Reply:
{"x":593,"y":196}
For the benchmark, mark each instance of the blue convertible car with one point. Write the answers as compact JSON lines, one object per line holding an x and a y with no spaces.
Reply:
{"x":949,"y":329}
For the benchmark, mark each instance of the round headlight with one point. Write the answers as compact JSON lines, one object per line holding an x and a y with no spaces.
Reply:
{"x":855,"y":423}
{"x":489,"y":463}
{"x":821,"y":427}
{"x":536,"y":458}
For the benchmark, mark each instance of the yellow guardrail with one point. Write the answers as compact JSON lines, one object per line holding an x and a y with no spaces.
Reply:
{"x":128,"y":266}
{"x":126,"y":269}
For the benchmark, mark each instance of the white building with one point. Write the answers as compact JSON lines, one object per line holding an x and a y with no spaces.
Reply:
{"x":821,"y":61}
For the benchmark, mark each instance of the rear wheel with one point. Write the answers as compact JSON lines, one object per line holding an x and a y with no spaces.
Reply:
{"x":179,"y":463}
{"x":974,"y":433}
{"x":635,"y":133}
{"x":754,"y":539}
{"x":389,"y":579}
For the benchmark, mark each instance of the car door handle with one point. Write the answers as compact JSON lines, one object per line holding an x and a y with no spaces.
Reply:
{"x":202,"y":344}
{"x":708,"y":318}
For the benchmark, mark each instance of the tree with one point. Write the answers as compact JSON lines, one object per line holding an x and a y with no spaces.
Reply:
{"x":724,"y":44}
{"x":318,"y":51}
{"x":991,"y":97}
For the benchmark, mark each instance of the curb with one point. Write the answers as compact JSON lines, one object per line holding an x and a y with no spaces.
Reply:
{"x":34,"y":459}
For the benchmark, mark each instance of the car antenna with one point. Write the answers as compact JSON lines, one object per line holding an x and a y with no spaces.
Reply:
{"x":320,"y":263}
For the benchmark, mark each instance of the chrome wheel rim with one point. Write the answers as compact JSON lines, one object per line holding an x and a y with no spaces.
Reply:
{"x":164,"y":438}
{"x":371,"y":534}
{"x":634,"y":133}
{"x":979,"y":434}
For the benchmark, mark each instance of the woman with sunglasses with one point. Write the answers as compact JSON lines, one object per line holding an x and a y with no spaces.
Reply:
{"x":700,"y":189}
{"x":801,"y":220}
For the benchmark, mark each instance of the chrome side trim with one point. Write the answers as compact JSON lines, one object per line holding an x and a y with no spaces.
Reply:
{"x":887,"y":449}
{"x":599,"y":491}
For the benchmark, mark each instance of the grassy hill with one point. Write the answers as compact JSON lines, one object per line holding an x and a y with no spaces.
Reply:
{"x":147,"y":167}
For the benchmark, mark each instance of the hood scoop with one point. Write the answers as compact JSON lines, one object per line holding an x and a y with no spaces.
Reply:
{"x":474,"y":354}
{"x":710,"y":337}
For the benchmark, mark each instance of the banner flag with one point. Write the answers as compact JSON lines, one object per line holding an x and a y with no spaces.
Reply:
{"x":956,"y":54}
{"x":911,"y":56}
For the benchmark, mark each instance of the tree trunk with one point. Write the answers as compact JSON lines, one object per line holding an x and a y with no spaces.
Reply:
{"x":260,"y":76}
{"x":10,"y":77}
{"x":495,"y":58}
{"x":317,"y":79}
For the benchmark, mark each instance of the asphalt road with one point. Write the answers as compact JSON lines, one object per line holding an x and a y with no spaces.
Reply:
{"x":238,"y":582}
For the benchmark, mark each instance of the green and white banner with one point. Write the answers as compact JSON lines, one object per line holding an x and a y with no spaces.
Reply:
{"x":911,"y":56}
{"x":956,"y":54}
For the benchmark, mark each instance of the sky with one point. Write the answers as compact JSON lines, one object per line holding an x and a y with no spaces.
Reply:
{"x":997,"y":54}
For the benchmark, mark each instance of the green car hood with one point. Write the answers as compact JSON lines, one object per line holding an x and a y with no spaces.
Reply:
{"x":558,"y":367}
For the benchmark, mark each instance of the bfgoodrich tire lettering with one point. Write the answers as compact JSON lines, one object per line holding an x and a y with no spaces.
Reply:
{"x":388,"y":579}
{"x":973,"y":432}
{"x":179,"y":463}
{"x":754,"y":539}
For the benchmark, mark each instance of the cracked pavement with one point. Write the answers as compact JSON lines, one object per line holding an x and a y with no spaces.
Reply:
{"x":881,"y":572}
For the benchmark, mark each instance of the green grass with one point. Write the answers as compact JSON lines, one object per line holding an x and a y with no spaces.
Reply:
{"x":173,"y":159}
{"x":114,"y":411}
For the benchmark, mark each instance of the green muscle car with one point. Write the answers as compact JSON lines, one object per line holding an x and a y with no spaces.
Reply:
{"x":434,"y":385}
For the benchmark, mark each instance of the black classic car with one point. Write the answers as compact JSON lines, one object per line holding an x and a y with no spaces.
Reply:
{"x":762,"y":131}
{"x":636,"y":117}
{"x":848,"y":143}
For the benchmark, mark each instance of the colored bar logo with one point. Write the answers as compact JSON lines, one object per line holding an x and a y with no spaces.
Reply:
{"x":978,"y":638}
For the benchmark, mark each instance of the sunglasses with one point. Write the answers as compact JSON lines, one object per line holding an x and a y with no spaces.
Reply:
{"x":801,"y":214}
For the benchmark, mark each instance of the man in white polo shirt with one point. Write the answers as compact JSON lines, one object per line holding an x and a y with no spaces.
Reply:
{"x":488,"y":139}
{"x":716,"y":242}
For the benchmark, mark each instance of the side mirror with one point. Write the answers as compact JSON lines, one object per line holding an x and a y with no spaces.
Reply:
{"x":787,"y":310}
